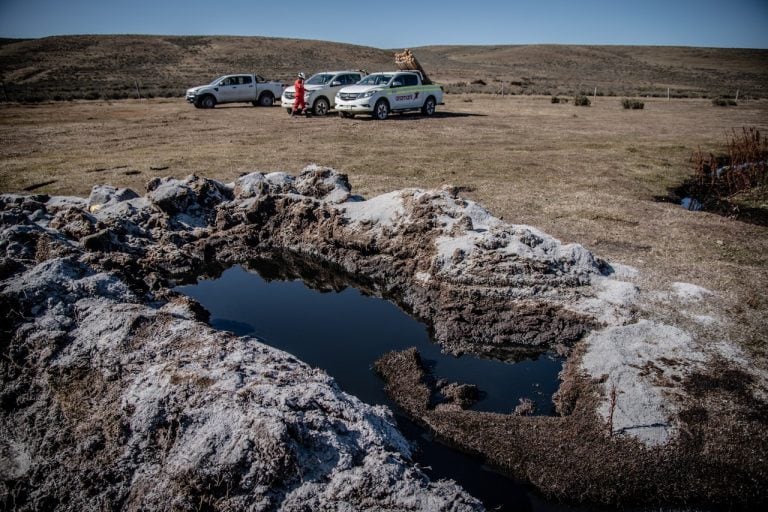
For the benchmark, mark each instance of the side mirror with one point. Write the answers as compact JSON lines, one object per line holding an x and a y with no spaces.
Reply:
{"x":397,"y":84}
{"x":335,"y":83}
{"x":221,"y":83}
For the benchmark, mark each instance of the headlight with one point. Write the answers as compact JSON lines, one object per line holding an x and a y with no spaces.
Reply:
{"x":367,"y":94}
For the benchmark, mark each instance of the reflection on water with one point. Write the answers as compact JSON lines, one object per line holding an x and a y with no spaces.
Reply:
{"x":345,"y":331}
{"x":690,"y":203}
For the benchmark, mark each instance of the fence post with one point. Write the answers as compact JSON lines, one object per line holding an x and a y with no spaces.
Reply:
{"x":594,"y":96}
{"x":138,"y":92}
{"x":667,"y":93}
{"x":737,"y":95}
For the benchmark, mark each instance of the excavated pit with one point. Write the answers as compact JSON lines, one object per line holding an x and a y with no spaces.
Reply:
{"x":329,"y":323}
{"x":137,"y":403}
{"x":320,"y":316}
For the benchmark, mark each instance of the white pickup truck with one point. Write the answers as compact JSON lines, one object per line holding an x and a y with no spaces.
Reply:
{"x":378,"y":94}
{"x":243,"y":88}
{"x":321,"y":89}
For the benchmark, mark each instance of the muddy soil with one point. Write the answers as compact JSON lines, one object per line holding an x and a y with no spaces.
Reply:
{"x":573,"y":456}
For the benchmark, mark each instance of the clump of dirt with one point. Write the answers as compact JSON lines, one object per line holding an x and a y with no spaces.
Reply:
{"x":574,"y":457}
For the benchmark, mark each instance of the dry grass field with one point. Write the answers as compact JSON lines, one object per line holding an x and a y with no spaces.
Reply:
{"x":586,"y":175}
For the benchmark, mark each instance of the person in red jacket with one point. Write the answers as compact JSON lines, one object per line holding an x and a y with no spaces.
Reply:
{"x":298,"y":99}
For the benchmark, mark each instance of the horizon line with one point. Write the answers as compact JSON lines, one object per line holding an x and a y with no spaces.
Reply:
{"x":137,"y":34}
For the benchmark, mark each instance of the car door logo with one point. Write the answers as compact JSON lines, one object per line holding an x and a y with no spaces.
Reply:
{"x":407,"y":97}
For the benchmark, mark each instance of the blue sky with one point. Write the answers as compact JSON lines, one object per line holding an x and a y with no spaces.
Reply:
{"x":398,"y":24}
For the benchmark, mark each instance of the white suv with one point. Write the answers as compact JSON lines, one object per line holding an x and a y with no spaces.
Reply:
{"x":321,"y":89}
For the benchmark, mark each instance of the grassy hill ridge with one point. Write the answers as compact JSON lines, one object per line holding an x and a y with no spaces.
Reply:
{"x":111,"y":66}
{"x":614,"y":70}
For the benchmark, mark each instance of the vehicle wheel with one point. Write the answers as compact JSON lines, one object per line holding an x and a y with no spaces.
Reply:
{"x":266,"y":99}
{"x":321,"y":107}
{"x":429,"y":107}
{"x":381,"y":110}
{"x":207,"y":101}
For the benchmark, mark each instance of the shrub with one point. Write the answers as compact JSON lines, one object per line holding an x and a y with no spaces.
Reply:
{"x":744,"y":167}
{"x":724,"y":102}
{"x":632,"y":104}
{"x":581,"y":101}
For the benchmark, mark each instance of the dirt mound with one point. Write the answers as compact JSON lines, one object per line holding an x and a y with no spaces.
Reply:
{"x":142,"y":401}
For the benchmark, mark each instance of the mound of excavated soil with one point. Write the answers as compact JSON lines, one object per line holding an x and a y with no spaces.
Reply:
{"x":115,"y":392}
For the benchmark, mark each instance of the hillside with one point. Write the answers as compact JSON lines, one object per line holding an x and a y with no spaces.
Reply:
{"x":614,"y":70}
{"x":110,"y":66}
{"x":65,"y":67}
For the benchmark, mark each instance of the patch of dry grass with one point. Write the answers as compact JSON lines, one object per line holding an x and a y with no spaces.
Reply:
{"x":586,"y":175}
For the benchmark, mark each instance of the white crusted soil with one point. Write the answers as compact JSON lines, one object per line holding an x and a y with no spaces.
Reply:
{"x":203,"y":416}
{"x":641,"y":362}
{"x":641,"y":365}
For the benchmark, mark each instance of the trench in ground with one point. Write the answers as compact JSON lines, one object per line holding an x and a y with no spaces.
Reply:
{"x":344,"y":330}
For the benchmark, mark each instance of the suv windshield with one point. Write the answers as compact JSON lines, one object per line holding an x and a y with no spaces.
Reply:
{"x":375,"y":80}
{"x":319,"y":79}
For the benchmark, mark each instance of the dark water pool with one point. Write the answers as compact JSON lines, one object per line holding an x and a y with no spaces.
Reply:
{"x":345,"y":332}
